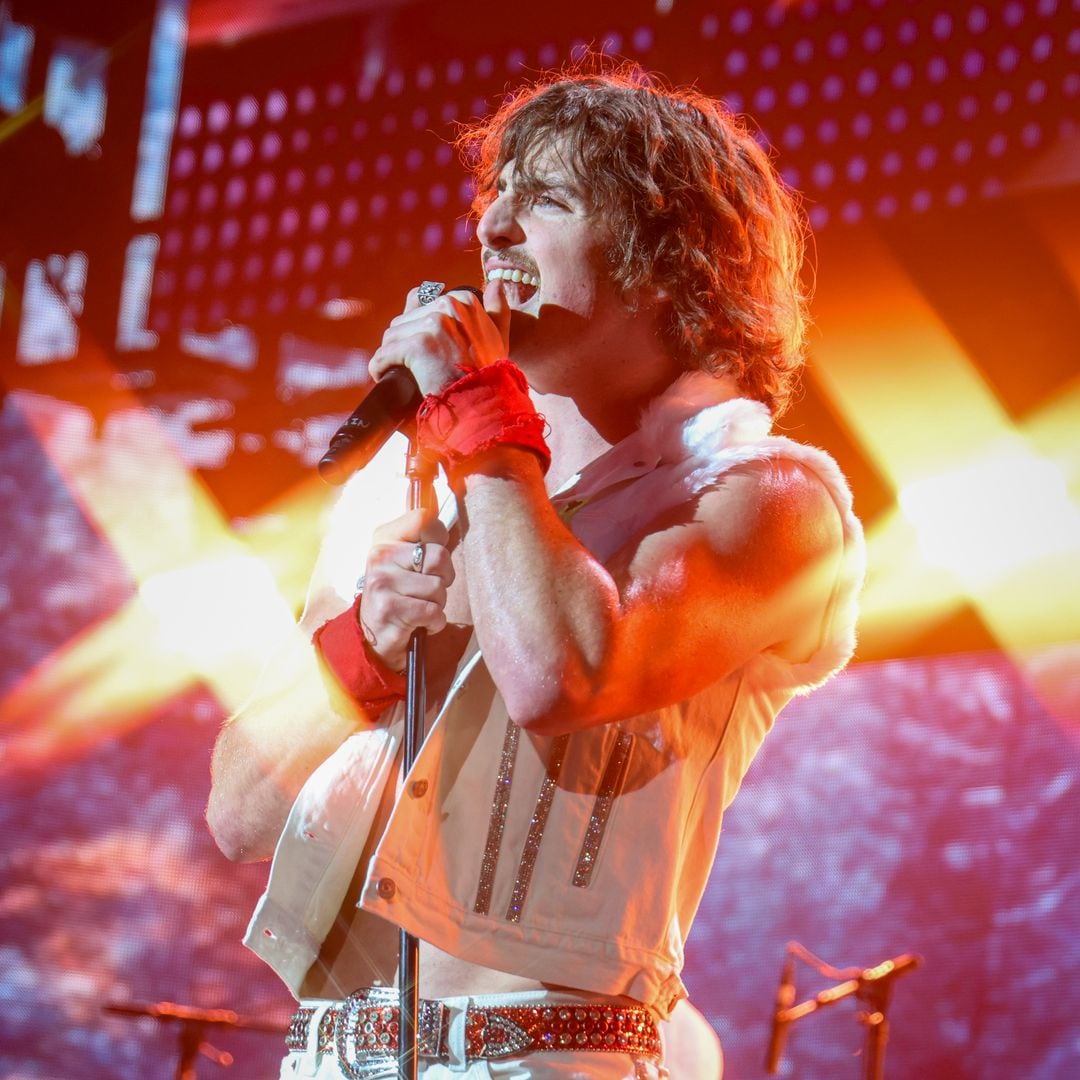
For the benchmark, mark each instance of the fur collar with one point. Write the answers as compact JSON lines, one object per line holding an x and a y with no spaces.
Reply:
{"x":694,"y":417}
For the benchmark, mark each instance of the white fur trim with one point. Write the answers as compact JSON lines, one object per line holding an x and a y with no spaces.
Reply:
{"x":688,"y":420}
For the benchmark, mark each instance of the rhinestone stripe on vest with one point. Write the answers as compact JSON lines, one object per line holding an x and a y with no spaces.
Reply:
{"x":610,"y":785}
{"x":500,"y":801}
{"x":536,"y":829}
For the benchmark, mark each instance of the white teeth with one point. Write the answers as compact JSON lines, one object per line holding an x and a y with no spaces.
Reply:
{"x":503,"y":274}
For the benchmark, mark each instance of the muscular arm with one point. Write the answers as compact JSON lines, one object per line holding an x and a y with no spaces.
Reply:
{"x":572,"y":643}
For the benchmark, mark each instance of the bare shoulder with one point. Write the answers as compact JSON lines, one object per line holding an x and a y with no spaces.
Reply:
{"x":773,"y":515}
{"x":750,"y":563}
{"x":777,"y":506}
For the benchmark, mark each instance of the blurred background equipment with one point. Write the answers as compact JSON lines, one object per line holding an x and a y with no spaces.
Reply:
{"x":872,"y":987}
{"x":192,"y":1024}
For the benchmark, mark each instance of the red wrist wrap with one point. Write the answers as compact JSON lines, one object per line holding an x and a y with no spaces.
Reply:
{"x":367,"y":679}
{"x":484,"y":409}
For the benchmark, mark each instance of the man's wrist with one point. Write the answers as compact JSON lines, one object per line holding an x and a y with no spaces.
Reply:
{"x":371,"y":644}
{"x":480,"y":414}
{"x":368,"y":680}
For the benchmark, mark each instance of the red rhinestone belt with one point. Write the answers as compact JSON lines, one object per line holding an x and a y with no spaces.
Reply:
{"x":367,"y":1024}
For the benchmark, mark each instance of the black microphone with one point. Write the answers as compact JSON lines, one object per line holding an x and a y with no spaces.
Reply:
{"x":785,"y":998}
{"x":389,"y":405}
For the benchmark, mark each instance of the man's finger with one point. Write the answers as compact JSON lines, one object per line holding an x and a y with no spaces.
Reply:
{"x":432,"y":563}
{"x":412,"y":527}
{"x":498,"y":309}
{"x":424,"y":293}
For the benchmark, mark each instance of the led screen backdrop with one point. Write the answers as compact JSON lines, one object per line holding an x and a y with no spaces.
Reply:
{"x":208,"y":212}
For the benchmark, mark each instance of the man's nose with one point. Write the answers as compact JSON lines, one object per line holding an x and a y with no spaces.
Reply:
{"x":499,"y":226}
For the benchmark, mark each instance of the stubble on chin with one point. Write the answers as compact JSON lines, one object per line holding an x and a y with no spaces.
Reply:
{"x":522,"y":333}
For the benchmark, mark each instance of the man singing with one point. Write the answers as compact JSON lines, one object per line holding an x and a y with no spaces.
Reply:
{"x":631,"y":580}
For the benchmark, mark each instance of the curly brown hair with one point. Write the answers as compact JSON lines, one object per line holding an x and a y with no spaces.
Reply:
{"x":696,"y":209}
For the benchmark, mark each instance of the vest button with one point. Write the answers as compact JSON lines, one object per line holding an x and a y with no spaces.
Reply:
{"x":418,"y":789}
{"x":386,"y":888}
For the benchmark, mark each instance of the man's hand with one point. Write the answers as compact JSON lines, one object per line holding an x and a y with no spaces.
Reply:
{"x":439,"y":341}
{"x":408,"y":573}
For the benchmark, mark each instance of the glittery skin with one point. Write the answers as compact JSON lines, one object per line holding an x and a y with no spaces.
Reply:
{"x":500,"y":800}
{"x":536,"y":829}
{"x":612,"y":781}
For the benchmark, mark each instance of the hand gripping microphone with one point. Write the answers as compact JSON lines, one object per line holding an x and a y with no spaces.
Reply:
{"x":389,"y":405}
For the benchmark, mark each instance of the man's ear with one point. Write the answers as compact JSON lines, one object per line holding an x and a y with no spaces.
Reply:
{"x":655,"y":295}
{"x":653,"y":291}
{"x":647,"y":295}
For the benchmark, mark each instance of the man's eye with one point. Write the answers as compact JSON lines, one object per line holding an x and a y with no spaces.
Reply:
{"x":544,"y":199}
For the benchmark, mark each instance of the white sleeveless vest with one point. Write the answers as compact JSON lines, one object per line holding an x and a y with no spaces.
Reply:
{"x":578,"y":860}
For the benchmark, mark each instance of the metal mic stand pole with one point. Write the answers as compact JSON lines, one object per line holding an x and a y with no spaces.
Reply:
{"x":876,"y":996}
{"x":420,"y":472}
{"x":872,"y":986}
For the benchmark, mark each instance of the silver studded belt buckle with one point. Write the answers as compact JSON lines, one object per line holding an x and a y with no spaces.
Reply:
{"x":367,"y":1030}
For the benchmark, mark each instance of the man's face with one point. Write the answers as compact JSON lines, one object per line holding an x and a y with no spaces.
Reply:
{"x":542,"y":239}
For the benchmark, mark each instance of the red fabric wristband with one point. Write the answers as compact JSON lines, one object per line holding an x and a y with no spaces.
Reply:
{"x":371,"y":684}
{"x":485,"y":408}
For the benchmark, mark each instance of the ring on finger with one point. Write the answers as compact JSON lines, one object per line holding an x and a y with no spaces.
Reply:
{"x":429,"y":291}
{"x":418,"y":557}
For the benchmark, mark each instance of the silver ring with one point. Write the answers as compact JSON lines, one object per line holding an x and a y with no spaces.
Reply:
{"x":418,"y":557}
{"x":429,"y":291}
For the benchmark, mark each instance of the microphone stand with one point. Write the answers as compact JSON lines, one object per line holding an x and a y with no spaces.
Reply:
{"x":386,"y":408}
{"x":872,"y":986}
{"x":420,"y":472}
{"x":193,"y":1023}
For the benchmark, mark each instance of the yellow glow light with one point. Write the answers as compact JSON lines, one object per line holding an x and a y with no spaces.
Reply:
{"x":989,"y":518}
{"x":988,"y":505}
{"x":217,"y":611}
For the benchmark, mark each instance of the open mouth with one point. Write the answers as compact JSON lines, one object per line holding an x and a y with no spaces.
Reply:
{"x":515,"y":281}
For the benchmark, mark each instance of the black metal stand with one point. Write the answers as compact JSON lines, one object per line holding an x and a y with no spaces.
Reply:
{"x":420,"y":471}
{"x":871,"y":986}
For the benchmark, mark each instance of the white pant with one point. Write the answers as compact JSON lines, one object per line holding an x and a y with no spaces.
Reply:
{"x":309,"y":1064}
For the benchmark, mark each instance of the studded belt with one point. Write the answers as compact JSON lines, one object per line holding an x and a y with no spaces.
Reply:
{"x":367,"y":1024}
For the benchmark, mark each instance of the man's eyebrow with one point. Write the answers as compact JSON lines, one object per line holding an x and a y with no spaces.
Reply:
{"x":528,"y":181}
{"x":556,"y":183}
{"x":562,"y":185}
